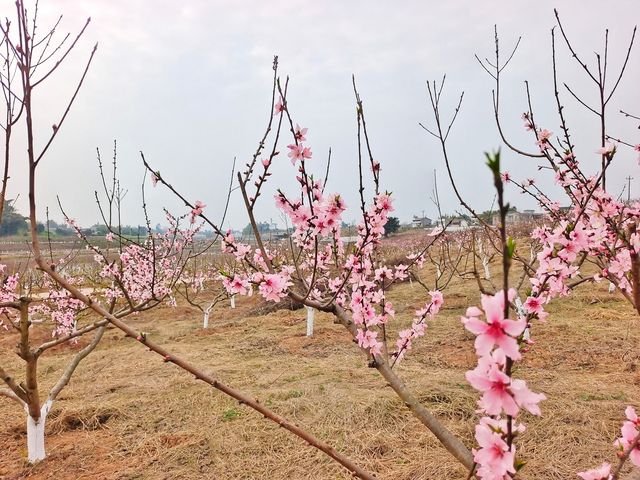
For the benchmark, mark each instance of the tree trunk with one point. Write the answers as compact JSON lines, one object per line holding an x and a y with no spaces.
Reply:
{"x":485,"y":265}
{"x":35,"y":434}
{"x":310,"y":315}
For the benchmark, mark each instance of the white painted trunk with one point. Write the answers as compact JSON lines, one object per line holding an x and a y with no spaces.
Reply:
{"x":520,"y":311}
{"x":206,"y":314}
{"x":310,"y":315}
{"x":233,"y":301}
{"x":35,"y":434}
{"x":485,"y":264}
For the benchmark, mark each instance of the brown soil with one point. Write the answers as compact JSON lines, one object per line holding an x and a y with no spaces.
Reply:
{"x":128,"y":415}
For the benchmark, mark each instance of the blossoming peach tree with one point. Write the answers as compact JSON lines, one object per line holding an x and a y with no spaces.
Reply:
{"x":597,"y":230}
{"x":315,"y":268}
{"x":125,"y":274}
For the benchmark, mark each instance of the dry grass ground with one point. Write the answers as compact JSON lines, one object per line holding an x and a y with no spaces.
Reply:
{"x":126,"y":415}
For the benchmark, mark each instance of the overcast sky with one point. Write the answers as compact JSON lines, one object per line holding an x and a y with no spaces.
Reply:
{"x":188,"y":83}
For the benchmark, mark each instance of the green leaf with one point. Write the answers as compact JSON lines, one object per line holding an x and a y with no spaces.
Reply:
{"x":511,"y":247}
{"x":493,"y":161}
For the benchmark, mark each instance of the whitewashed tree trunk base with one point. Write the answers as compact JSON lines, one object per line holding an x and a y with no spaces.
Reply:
{"x":233,"y":301}
{"x":310,"y":316}
{"x":35,"y":434}
{"x":485,"y":265}
{"x":522,"y":313}
{"x":207,"y":312}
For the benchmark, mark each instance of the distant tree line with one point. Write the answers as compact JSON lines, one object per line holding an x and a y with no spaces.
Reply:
{"x":13,"y":223}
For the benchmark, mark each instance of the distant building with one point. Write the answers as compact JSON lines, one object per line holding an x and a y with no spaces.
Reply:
{"x":455,"y":224}
{"x":514,"y":217}
{"x":565,"y":210}
{"x":421,"y":222}
{"x":351,"y":239}
{"x":274,"y":234}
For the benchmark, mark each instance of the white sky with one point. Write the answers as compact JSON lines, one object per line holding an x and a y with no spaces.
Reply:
{"x":188,"y":82}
